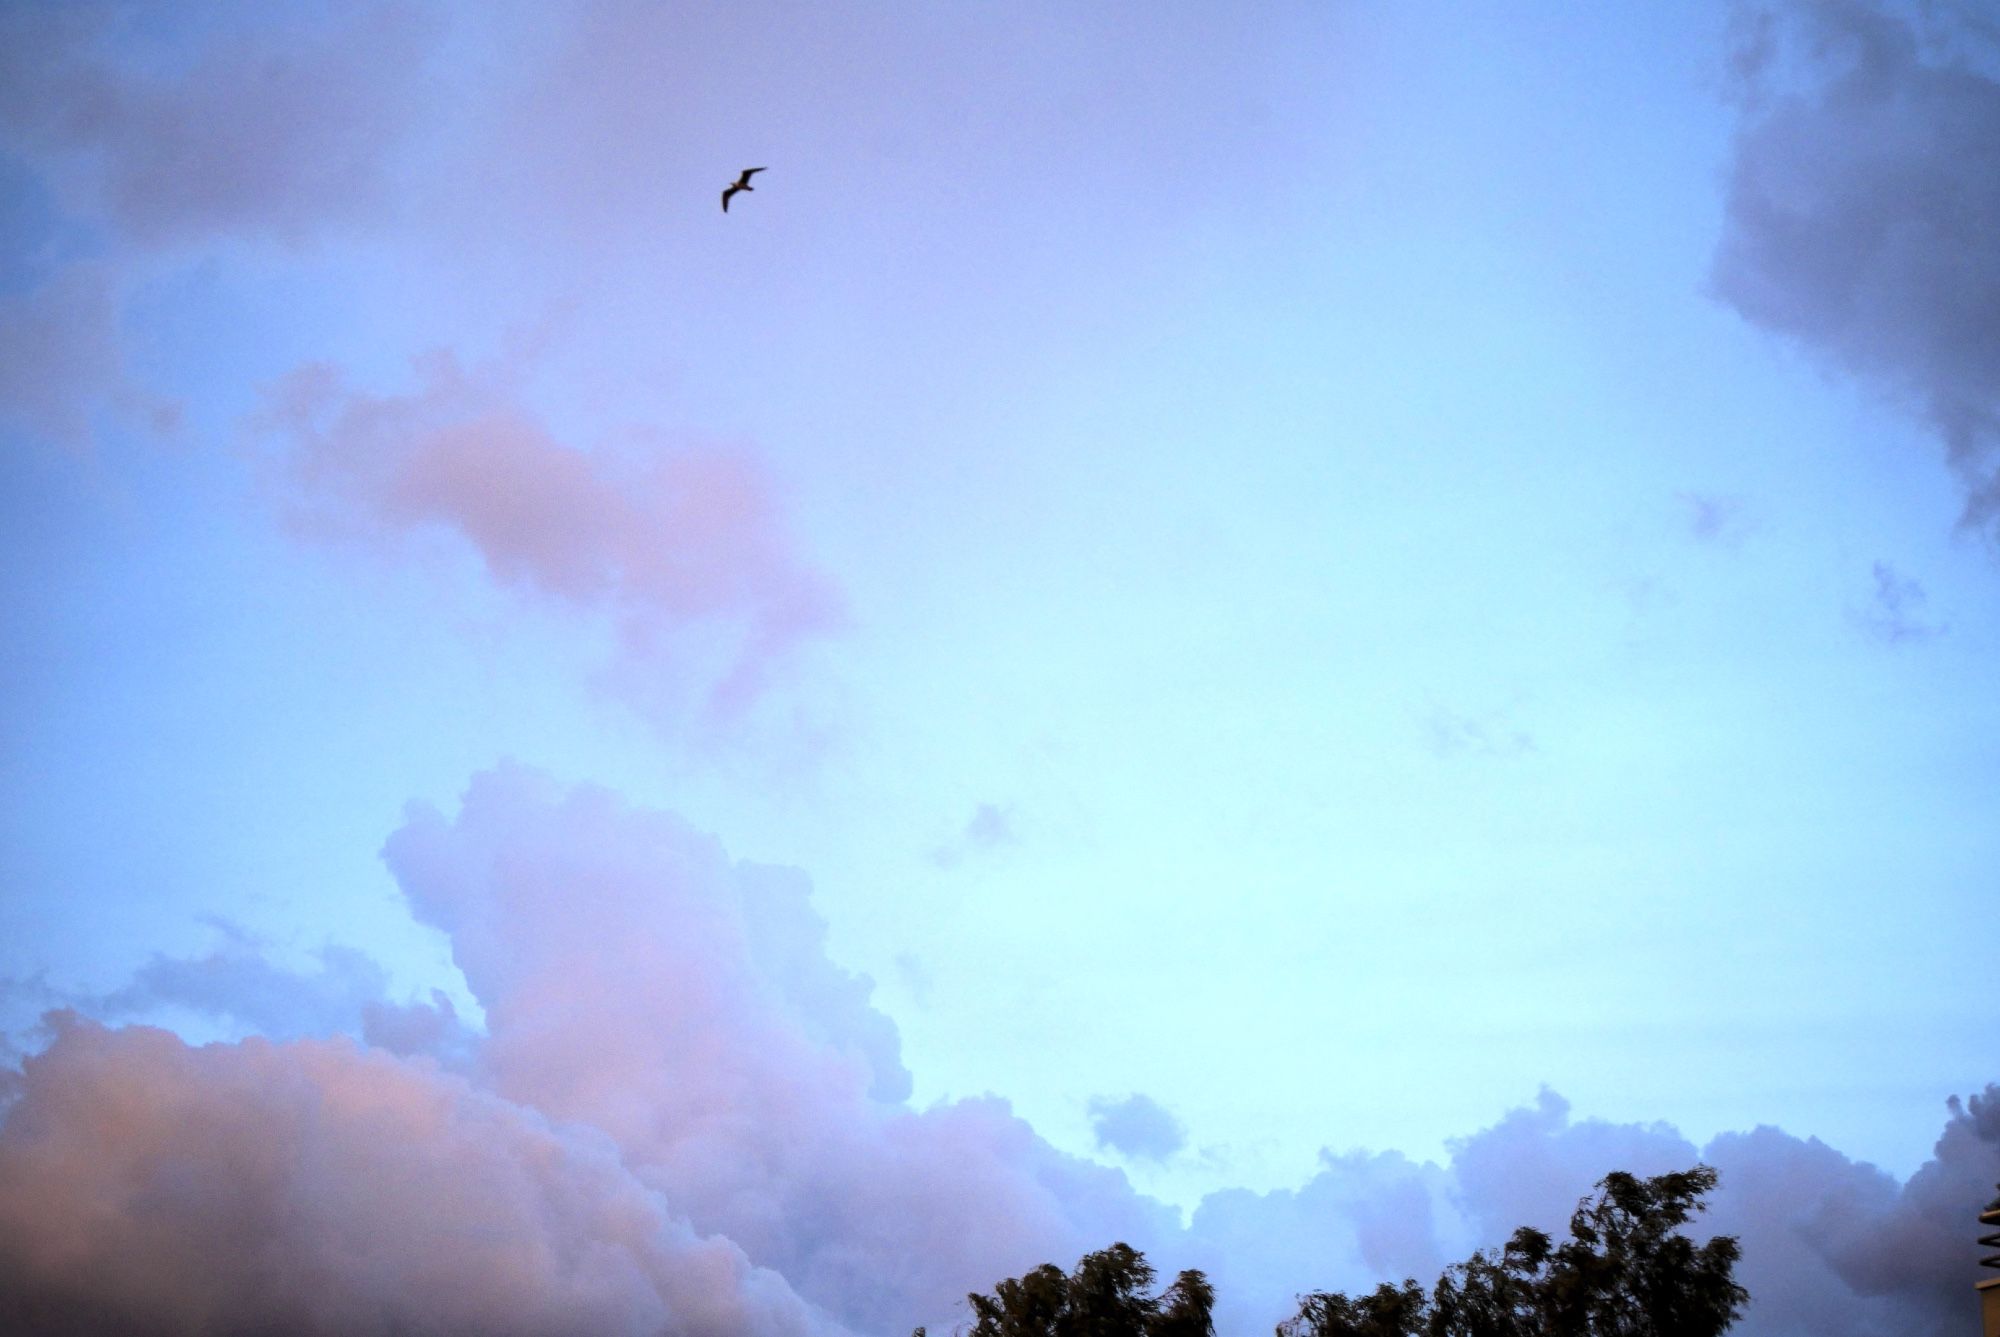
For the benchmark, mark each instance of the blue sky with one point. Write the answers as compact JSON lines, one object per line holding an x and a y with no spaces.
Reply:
{"x":1312,"y":565}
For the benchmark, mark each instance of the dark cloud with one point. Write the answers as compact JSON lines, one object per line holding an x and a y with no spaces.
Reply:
{"x":1863,"y":210}
{"x":1137,"y":1126}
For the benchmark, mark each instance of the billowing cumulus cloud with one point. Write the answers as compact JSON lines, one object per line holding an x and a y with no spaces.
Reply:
{"x":637,"y":979}
{"x":682,"y":1116}
{"x":1137,"y":1126}
{"x":683,"y":547}
{"x":1863,"y":211}
{"x":1831,"y":1247}
{"x":150,"y":1187}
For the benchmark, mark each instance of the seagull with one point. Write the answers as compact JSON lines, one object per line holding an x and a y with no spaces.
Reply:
{"x":740,"y":183}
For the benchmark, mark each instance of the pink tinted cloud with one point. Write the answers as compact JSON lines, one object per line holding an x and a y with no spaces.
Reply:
{"x":150,"y":1187}
{"x":636,"y":979}
{"x":678,"y":1086}
{"x":683,"y":548}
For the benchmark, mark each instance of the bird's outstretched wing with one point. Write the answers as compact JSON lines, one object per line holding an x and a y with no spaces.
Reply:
{"x":731,"y":190}
{"x":748,"y":172}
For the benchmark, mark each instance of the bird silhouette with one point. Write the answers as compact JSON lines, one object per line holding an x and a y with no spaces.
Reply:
{"x":740,"y":183}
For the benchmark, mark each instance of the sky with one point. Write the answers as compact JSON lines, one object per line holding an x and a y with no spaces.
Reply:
{"x":1283,"y":633}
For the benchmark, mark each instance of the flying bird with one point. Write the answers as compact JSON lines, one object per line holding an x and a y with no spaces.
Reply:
{"x":740,"y":183}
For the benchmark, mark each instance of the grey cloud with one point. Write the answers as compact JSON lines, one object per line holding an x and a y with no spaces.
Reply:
{"x":62,"y":361}
{"x":1832,"y":1247}
{"x":1136,"y":1126}
{"x":175,"y":133}
{"x":1895,"y":612}
{"x":1863,"y":211}
{"x":990,"y":827}
{"x":1712,"y":518}
{"x":237,"y":982}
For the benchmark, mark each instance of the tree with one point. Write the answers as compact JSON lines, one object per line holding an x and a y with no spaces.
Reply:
{"x":1106,"y":1296}
{"x":1625,"y":1271}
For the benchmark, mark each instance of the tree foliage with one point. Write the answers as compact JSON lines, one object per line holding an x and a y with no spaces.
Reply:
{"x":1626,"y":1271}
{"x":1108,"y":1295}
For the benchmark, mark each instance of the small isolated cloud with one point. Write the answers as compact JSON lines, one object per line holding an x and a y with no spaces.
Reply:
{"x":1137,"y":1126}
{"x":1715,"y":519}
{"x":1447,"y":733}
{"x":990,"y":827}
{"x":684,"y":549}
{"x":1895,"y":612}
{"x":1863,"y":210}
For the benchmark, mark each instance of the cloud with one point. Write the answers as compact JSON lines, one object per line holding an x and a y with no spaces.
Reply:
{"x":169,"y":131}
{"x":1862,"y":216}
{"x":238,"y":985}
{"x":636,"y":979}
{"x":1895,"y":612}
{"x":62,"y":359}
{"x":1831,"y":1246}
{"x":684,"y":548}
{"x":1714,"y":519}
{"x":262,"y":131}
{"x":1837,"y":1247}
{"x":150,"y":1187}
{"x":681,"y":1105}
{"x":1448,"y":733}
{"x":990,"y":827}
{"x":1137,"y":1126}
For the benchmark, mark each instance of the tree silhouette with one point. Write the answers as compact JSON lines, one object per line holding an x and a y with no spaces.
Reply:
{"x":1625,"y":1271}
{"x":1108,"y":1295}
